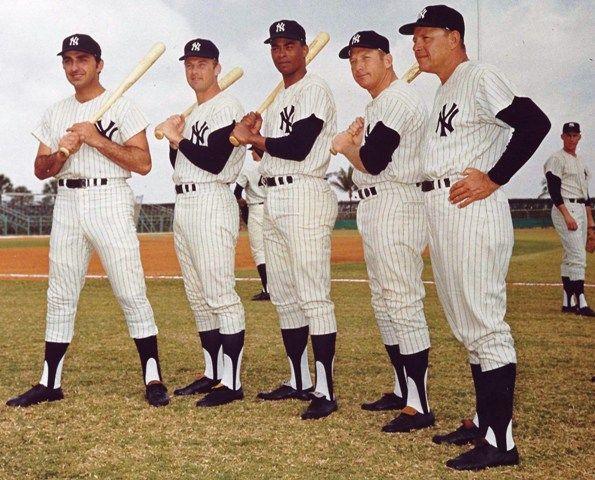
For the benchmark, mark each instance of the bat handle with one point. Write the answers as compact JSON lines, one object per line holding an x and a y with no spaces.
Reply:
{"x":234,"y":141}
{"x":159,"y":134}
{"x":65,"y":151}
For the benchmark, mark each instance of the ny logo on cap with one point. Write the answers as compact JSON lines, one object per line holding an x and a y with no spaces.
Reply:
{"x":571,"y":125}
{"x":74,"y":41}
{"x":422,"y":14}
{"x":280,"y":27}
{"x":195,"y":47}
{"x":355,"y":38}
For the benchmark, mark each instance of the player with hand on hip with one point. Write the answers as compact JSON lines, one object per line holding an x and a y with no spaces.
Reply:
{"x":206,"y":222}
{"x":94,"y":210}
{"x":384,"y":148}
{"x":469,"y":154}
{"x":567,"y":178}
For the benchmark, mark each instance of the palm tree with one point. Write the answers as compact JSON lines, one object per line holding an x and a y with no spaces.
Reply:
{"x":344,"y":181}
{"x":544,"y":191}
{"x":50,"y":189}
{"x":24,"y":196}
{"x":5,"y":184}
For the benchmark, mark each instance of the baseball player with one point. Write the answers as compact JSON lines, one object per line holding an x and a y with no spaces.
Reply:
{"x":206,"y":222}
{"x":93,"y":211}
{"x":250,"y":181}
{"x":469,"y":154}
{"x":300,"y":210}
{"x":567,"y":178}
{"x":391,"y":220}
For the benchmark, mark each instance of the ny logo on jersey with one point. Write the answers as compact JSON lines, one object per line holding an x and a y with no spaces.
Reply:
{"x":445,"y":119}
{"x":367,"y":134}
{"x":355,"y":39}
{"x":107,"y":132}
{"x":74,"y":41}
{"x":280,"y":27}
{"x":195,"y":47}
{"x":198,"y":133}
{"x":287,"y":119}
{"x":422,"y":14}
{"x":260,"y":182}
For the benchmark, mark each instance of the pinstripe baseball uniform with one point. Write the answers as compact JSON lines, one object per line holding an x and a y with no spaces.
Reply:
{"x":206,"y":223}
{"x":99,"y":217}
{"x":392,"y":223}
{"x":251,"y":180}
{"x":299,"y":214}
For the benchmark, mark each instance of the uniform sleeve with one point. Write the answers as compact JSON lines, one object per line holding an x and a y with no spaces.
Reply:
{"x":132,"y":121}
{"x":314,"y":100}
{"x":494,"y":95}
{"x":242,"y":179}
{"x":42,"y":130}
{"x":554,"y":165}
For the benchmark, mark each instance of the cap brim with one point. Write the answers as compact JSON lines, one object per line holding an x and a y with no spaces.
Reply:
{"x":184,"y":57}
{"x":77,"y":50}
{"x":408,"y":28}
{"x":285,"y":35}
{"x":344,"y":53}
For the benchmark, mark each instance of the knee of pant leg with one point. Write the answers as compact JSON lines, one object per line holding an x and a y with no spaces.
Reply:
{"x":323,"y":325}
{"x":142,"y":328}
{"x":388,"y":330}
{"x":291,"y":316}
{"x":59,"y":328}
{"x":320,"y":316}
{"x":232,"y":323}
{"x":495,"y":350}
{"x":206,"y":321}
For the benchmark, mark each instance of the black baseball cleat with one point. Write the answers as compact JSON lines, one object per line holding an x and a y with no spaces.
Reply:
{"x":405,"y":422}
{"x":484,"y":456}
{"x":156,"y":394}
{"x":585,"y":312}
{"x":286,"y":392}
{"x":319,"y":407}
{"x":201,"y":385}
{"x":463,"y":435}
{"x":568,"y":309}
{"x":37,"y":394}
{"x":388,"y":401}
{"x":220,"y":395}
{"x":262,"y":297}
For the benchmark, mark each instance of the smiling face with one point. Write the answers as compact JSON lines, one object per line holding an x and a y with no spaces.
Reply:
{"x":289,"y":56}
{"x":201,"y":73}
{"x":82,"y":69}
{"x":433,"y":48}
{"x":369,"y":66}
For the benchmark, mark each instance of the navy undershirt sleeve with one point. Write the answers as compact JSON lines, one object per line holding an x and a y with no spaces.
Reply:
{"x":554,"y":186}
{"x":172,"y":156}
{"x":238,"y":191}
{"x":213,"y":157}
{"x":297,"y":145}
{"x":377,"y":151}
{"x":530,"y":126}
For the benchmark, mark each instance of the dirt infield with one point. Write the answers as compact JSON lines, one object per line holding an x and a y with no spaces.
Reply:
{"x":30,"y":255}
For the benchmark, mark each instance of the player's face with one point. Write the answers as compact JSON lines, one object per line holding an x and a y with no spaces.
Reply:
{"x":82,"y":69}
{"x":201,"y":73}
{"x":289,"y":56}
{"x":432,"y":48}
{"x":368,"y":66}
{"x":570,"y":140}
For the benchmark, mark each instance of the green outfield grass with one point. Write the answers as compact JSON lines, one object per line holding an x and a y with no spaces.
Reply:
{"x":104,"y":429}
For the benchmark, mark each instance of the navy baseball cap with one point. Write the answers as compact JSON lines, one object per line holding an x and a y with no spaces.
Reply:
{"x":81,"y":43}
{"x":571,"y":127}
{"x":366,"y":39}
{"x":286,"y":29}
{"x":200,"y":47}
{"x":437,"y":16}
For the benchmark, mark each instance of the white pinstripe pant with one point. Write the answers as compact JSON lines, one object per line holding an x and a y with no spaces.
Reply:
{"x":298,"y":222}
{"x":206,"y":224}
{"x":471,"y":249}
{"x":394,"y":231}
{"x":100,"y":218}
{"x":255,"y":235}
{"x":574,"y":260}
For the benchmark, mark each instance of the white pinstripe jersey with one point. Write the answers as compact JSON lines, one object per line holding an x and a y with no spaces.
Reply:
{"x":250,"y":179}
{"x":120,"y":123}
{"x":218,"y":112}
{"x":401,"y":109}
{"x":310,"y":95}
{"x":463,"y":130}
{"x":573,"y":172}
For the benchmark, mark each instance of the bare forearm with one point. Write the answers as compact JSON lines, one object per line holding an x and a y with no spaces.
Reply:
{"x":47,"y":166}
{"x":128,"y":157}
{"x":351,"y":152}
{"x":563,"y":210}
{"x":590,"y":222}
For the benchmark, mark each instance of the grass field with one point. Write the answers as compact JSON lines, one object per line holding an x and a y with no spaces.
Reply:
{"x":104,"y":428}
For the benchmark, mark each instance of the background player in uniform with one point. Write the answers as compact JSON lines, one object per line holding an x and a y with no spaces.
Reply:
{"x":469,"y":154}
{"x":567,"y":178}
{"x":93,"y":210}
{"x":391,"y":220}
{"x":300,"y":213}
{"x":250,"y":180}
{"x":206,"y":222}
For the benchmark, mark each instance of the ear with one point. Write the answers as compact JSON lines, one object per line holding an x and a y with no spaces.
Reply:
{"x":388,"y":60}
{"x":218,"y":69}
{"x":305,"y":49}
{"x":100,"y":66}
{"x":454,"y":39}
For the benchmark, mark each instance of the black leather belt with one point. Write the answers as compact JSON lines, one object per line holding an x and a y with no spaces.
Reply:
{"x":81,"y":182}
{"x":429,"y":185}
{"x":276,"y":181}
{"x":186,"y":188}
{"x":367,"y":192}
{"x":576,"y":200}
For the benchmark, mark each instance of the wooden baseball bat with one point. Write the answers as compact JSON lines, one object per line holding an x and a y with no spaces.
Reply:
{"x":229,"y":79}
{"x":149,"y":59}
{"x":411,"y":74}
{"x":314,"y":49}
